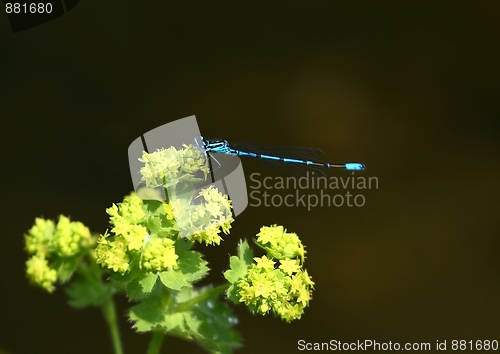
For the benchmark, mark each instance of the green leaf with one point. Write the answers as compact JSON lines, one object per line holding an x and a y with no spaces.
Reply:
{"x":83,"y":293}
{"x":245,"y":252}
{"x":182,"y":245}
{"x":174,"y":279}
{"x":239,"y":265}
{"x":66,"y":267}
{"x":150,"y":312}
{"x":238,"y":269}
{"x":167,"y":230}
{"x":153,"y":208}
{"x":176,"y":325}
{"x":210,"y":322}
{"x":192,"y":265}
{"x":141,"y":286}
{"x":153,"y":225}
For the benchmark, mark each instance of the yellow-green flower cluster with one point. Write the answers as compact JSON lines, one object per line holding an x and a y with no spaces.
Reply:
{"x":126,"y":220}
{"x":286,"y":289}
{"x":200,"y":219}
{"x":166,"y":167}
{"x":277,"y":281}
{"x":49,"y":243}
{"x":210,"y":216}
{"x":150,"y":238}
{"x":203,"y":220}
{"x":112,"y":253}
{"x":159,"y":255}
{"x":192,"y":160}
{"x":71,"y":237}
{"x":280,"y":244}
{"x":40,"y":273}
{"x":129,"y":234}
{"x":143,"y":232}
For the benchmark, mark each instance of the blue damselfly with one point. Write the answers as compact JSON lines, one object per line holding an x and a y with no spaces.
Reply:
{"x":294,"y":155}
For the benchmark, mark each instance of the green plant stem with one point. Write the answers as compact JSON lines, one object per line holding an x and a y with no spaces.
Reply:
{"x":109,"y":310}
{"x":183,"y":306}
{"x":156,"y":341}
{"x":108,"y":306}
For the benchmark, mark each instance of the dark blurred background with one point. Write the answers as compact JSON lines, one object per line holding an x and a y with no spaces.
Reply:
{"x":410,"y":89}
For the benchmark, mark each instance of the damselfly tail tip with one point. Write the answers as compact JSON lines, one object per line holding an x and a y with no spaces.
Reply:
{"x":353,"y":166}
